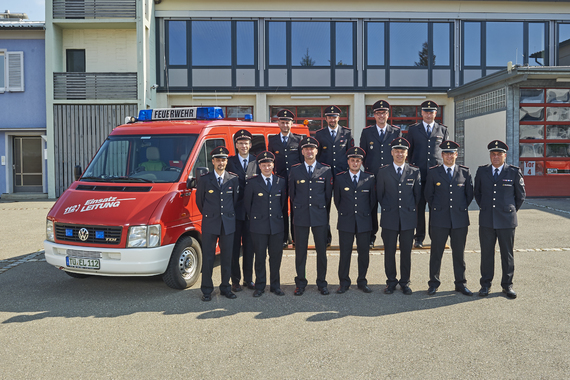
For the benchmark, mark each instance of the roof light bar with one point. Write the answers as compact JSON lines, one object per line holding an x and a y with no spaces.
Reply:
{"x":183,"y":113}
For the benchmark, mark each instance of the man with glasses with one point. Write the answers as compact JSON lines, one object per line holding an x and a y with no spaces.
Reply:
{"x":375,"y":140}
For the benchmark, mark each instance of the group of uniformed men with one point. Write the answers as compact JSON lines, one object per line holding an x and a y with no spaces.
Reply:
{"x":249,"y":209}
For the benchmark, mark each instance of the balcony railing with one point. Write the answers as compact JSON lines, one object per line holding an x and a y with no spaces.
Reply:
{"x":94,"y":9}
{"x":77,"y":86}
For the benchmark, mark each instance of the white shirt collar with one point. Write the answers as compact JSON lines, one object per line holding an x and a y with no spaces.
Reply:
{"x":396,"y":166}
{"x":500,"y":169}
{"x":313,"y":166}
{"x":449,"y":167}
{"x":220,"y":176}
{"x":381,"y":129}
{"x":352,"y":175}
{"x":333,"y":130}
{"x":430,"y":125}
{"x":265,"y":178}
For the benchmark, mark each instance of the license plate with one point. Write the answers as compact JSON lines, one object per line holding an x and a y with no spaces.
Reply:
{"x":75,"y":262}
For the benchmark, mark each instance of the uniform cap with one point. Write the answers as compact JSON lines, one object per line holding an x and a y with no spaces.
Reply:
{"x":400,"y":143}
{"x":309,"y":141}
{"x":449,"y":146}
{"x":242,"y":134}
{"x":497,"y":146}
{"x":285,"y":114}
{"x":265,"y":156}
{"x":381,"y":105}
{"x":357,"y":152}
{"x":220,"y":152}
{"x":332,"y":111}
{"x":429,"y":105}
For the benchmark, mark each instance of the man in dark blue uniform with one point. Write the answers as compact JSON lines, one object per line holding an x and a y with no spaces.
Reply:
{"x":500,"y":193}
{"x":425,"y":138}
{"x":375,"y":140}
{"x":354,"y":197}
{"x":245,"y":166}
{"x":216,"y":194}
{"x":264,"y":197}
{"x":285,"y":147}
{"x":448,"y":191}
{"x":398,"y":190}
{"x":310,"y":189}
{"x":334,"y":141}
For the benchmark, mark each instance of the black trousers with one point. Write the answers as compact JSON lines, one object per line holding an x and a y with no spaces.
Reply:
{"x":374,"y":231}
{"x":346,"y":239}
{"x":288,"y":220}
{"x":242,"y":238}
{"x":421,"y":216}
{"x":487,"y":239}
{"x":439,"y":237}
{"x":390,"y":238}
{"x":261,"y":244}
{"x":209,"y":256}
{"x":301,"y":243}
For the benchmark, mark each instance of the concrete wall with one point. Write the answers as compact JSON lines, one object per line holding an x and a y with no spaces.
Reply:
{"x":105,"y":49}
{"x":479,"y":132}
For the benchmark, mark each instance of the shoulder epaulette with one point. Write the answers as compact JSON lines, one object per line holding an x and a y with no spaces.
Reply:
{"x":370,"y":126}
{"x":372,"y":174}
{"x":278,"y":176}
{"x":234,"y":174}
{"x":413,"y":166}
{"x":435,"y":166}
{"x":345,"y":127}
{"x":341,"y":173}
{"x":296,"y":165}
{"x":463,"y":166}
{"x":324,"y":164}
{"x":384,"y":166}
{"x":482,"y":166}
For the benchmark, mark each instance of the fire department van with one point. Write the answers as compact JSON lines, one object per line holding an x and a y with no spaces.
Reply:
{"x":133,"y":211}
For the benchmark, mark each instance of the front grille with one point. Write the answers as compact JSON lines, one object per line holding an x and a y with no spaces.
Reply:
{"x":95,"y":234}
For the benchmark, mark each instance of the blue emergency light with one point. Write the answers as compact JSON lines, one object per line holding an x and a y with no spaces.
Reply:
{"x":69,"y":232}
{"x":182,"y":113}
{"x":99,"y":234}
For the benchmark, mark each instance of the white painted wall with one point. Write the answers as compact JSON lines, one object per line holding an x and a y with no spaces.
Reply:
{"x":106,"y":50}
{"x":479,"y":132}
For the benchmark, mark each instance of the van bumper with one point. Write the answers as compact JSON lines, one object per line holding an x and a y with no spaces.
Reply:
{"x":114,"y":261}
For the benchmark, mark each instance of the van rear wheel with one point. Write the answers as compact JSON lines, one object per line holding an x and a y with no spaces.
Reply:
{"x":185,"y":264}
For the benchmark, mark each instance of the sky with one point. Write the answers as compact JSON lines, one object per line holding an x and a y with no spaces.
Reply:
{"x":35,"y":9}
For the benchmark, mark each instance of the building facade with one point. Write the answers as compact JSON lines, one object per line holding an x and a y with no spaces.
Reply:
{"x":23,"y":155}
{"x":258,"y":57}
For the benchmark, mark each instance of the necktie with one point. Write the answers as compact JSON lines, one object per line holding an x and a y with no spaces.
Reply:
{"x":428,"y":131}
{"x":354,"y":181}
{"x":496,"y":175}
{"x":310,"y":171}
{"x":382,"y":135}
{"x":268,"y":183}
{"x":245,"y":165}
{"x":399,"y":172}
{"x":449,"y":173}
{"x":220,"y":181}
{"x":284,"y":140}
{"x":333,"y":134}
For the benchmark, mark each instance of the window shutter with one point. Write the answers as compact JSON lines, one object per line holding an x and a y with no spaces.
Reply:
{"x":15,"y":64}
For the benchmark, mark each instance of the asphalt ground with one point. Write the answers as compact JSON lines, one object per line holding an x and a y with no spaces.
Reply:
{"x":55,"y":326}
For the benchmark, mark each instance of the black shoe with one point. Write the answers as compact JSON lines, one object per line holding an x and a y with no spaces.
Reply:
{"x":250,"y":285}
{"x":365,"y":288}
{"x":324,"y":291}
{"x":484,"y":291}
{"x":206,"y":297}
{"x":229,"y":295}
{"x":285,"y":244}
{"x":389,"y":289}
{"x":371,"y":243}
{"x":236,"y":288}
{"x":341,"y":289}
{"x":419,"y":244}
{"x":258,"y":293}
{"x":406,"y":289}
{"x":432,"y":290}
{"x":278,"y":292}
{"x":510,"y":292}
{"x":299,"y":291}
{"x":463,"y":289}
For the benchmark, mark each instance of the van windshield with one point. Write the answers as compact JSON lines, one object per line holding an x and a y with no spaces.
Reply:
{"x":151,"y":158}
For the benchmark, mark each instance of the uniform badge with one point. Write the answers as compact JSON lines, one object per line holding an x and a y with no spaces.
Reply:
{"x":276,"y":152}
{"x":210,"y":191}
{"x":438,"y":184}
{"x":324,"y":147}
{"x":346,"y":189}
{"x":260,"y":194}
{"x":302,"y":181}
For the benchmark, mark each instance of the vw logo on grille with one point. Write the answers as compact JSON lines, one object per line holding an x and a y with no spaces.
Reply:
{"x":83,"y":234}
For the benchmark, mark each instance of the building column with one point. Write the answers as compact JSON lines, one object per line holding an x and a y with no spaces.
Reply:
{"x":358,"y":116}
{"x":261,"y":109}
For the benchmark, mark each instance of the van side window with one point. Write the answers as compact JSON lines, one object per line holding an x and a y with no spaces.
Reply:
{"x":257,"y":144}
{"x":204,"y":159}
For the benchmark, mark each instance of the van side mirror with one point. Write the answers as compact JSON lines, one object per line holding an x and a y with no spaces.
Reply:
{"x":77,"y":172}
{"x":200,"y":171}
{"x":191,"y":182}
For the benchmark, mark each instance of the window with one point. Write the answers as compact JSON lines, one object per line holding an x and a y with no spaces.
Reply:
{"x":344,"y":43}
{"x":544,"y":131}
{"x":211,"y":43}
{"x":245,"y":43}
{"x":257,"y":144}
{"x":75,"y":60}
{"x":403,"y":116}
{"x":504,"y":43}
{"x":564,"y":44}
{"x":409,"y":44}
{"x":472,"y":38}
{"x":375,"y":44}
{"x":313,"y":114}
{"x":177,"y":48}
{"x":310,"y":44}
{"x":11,"y":71}
{"x":204,"y":160}
{"x":277,"y":43}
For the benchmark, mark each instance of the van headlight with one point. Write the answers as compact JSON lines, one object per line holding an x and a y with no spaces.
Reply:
{"x":144,"y":236}
{"x":49,"y":231}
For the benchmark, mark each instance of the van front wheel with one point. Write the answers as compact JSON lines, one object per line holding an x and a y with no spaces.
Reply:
{"x":185,"y":264}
